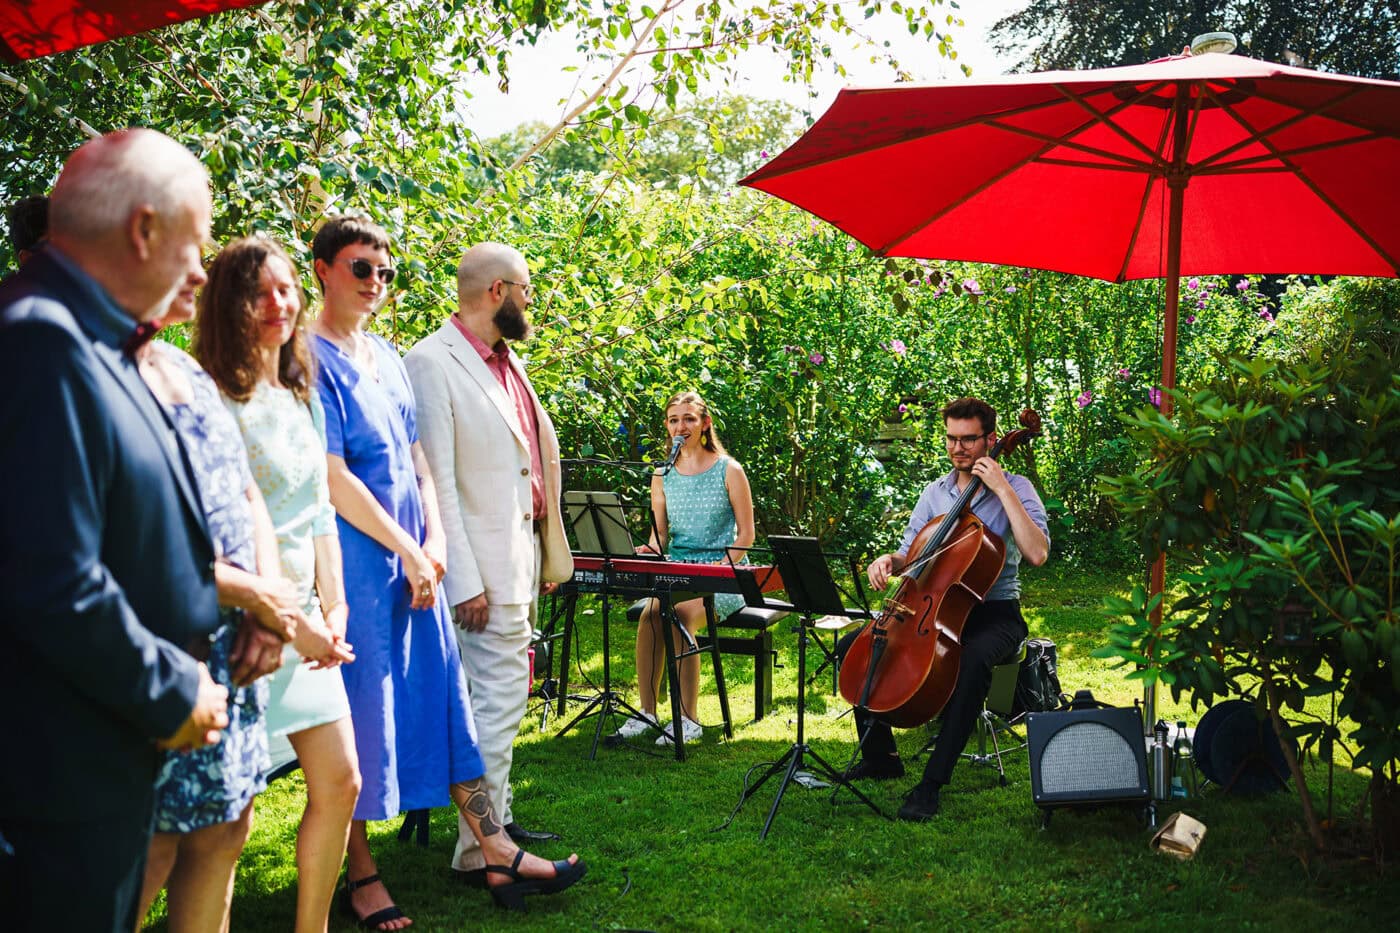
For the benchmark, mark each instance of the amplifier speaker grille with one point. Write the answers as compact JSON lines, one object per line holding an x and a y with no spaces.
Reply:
{"x":1087,"y":756}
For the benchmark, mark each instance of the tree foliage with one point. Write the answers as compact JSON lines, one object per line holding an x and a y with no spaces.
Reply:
{"x":708,"y":143}
{"x":1360,"y":37}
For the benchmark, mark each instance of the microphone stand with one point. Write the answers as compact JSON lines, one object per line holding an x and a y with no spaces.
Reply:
{"x":608,"y":701}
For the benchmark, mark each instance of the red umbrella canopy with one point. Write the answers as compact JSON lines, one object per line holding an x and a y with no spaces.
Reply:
{"x":1281,"y":169}
{"x":31,"y":28}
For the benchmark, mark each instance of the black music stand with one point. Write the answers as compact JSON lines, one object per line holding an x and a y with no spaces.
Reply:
{"x":600,"y":528}
{"x":811,"y":592}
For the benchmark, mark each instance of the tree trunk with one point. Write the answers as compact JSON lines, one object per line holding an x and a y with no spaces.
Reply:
{"x":1290,"y":756}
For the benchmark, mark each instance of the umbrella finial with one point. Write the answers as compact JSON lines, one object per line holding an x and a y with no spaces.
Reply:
{"x":1214,"y":42}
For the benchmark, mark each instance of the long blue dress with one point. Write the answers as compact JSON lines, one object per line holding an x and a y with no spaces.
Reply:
{"x":408,"y":696}
{"x":216,"y":783}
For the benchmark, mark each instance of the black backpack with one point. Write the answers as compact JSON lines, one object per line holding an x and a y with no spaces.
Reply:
{"x":1038,"y":683}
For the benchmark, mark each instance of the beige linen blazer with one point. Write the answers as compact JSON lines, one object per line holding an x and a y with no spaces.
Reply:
{"x":480,"y":462}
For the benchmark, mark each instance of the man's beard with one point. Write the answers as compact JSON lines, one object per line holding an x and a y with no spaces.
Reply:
{"x":510,"y":320}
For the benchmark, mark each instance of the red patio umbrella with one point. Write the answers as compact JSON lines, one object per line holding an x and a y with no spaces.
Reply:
{"x":1266,"y":169}
{"x":31,"y":28}
{"x":1196,"y":164}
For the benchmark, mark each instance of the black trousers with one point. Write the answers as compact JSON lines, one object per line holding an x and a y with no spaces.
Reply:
{"x":992,"y":632}
{"x":80,"y":875}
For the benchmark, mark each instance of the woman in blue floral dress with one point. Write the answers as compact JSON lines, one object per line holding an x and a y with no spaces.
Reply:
{"x":204,"y":798}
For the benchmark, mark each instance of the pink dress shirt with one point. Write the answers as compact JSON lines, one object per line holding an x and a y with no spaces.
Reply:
{"x":498,"y":361}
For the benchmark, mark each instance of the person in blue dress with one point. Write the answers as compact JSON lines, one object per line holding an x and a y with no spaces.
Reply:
{"x":204,"y":798}
{"x":703,"y":509}
{"x":415,"y":738}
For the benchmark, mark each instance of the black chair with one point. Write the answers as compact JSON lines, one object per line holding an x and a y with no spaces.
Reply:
{"x":756,"y":641}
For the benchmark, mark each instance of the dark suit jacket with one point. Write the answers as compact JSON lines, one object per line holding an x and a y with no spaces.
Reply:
{"x":106,"y":564}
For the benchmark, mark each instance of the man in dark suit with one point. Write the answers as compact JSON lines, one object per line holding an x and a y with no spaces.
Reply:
{"x":106,"y":564}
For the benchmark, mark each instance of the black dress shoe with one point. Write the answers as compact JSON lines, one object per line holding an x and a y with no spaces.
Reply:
{"x":921,"y":804}
{"x":884,"y":768}
{"x":521,"y":835}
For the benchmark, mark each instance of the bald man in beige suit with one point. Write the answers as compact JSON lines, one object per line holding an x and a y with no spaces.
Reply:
{"x":495,"y":457}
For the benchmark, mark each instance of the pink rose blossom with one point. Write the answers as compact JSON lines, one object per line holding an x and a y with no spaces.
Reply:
{"x":971,"y":287}
{"x":897,"y":347}
{"x":816,"y":359}
{"x":1154,"y":396}
{"x":1084,"y":399}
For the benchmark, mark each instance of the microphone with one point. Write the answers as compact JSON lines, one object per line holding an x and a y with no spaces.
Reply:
{"x":676,"y":443}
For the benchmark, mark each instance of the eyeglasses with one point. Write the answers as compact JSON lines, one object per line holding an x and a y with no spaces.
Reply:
{"x":525,"y":287}
{"x":966,"y":440}
{"x":363,"y":269}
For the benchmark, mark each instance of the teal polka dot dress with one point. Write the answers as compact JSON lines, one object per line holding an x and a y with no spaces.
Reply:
{"x":701,"y":523}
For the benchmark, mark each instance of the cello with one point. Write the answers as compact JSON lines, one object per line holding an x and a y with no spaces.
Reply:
{"x":904,"y":665}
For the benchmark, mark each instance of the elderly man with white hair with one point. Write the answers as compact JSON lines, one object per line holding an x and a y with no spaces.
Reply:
{"x":106,"y":562}
{"x":495,"y":458}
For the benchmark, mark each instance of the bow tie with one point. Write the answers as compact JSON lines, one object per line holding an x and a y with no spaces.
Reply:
{"x":140,"y":337}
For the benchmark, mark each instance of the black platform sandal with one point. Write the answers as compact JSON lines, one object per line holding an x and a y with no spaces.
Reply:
{"x":373,"y":921}
{"x":512,"y":896}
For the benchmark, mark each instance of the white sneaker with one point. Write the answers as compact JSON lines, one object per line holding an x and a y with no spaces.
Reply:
{"x":690,"y":732}
{"x":634,"y":727}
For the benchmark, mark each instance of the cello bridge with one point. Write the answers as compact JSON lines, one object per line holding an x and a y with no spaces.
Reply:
{"x":896,"y":607}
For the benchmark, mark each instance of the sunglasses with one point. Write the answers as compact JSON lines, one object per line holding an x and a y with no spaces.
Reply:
{"x":363,"y":269}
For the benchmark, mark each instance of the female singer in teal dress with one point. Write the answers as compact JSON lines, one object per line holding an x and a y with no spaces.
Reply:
{"x":703,"y":507}
{"x":408,"y":697}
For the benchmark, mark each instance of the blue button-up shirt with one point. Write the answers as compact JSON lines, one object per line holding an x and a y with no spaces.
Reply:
{"x":940,"y":495}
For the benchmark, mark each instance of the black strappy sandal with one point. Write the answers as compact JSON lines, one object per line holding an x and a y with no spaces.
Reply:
{"x":512,"y":896}
{"x":373,"y":921}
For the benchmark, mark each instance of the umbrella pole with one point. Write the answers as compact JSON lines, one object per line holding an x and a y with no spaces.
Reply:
{"x":1177,"y":177}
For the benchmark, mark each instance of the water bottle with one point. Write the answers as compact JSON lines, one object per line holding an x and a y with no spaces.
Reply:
{"x":1161,"y":762}
{"x":1183,"y":764}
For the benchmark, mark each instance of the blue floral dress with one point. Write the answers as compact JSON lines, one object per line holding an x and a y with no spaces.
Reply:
{"x":216,"y":783}
{"x":700,"y":522}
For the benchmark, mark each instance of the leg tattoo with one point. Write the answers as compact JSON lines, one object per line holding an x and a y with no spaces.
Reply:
{"x":477,"y":808}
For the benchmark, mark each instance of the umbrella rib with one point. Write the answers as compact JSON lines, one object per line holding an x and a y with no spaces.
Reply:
{"x":1225,"y":168}
{"x":939,"y":214}
{"x":1142,"y":207}
{"x":1254,"y":136}
{"x":1133,"y":168}
{"x":1321,"y":110}
{"x":1312,"y":186}
{"x":1051,"y":143}
{"x":769,"y":171}
{"x":1103,"y":118}
{"x":1127,"y":162}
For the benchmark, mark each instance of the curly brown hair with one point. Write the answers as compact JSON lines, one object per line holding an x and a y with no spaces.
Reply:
{"x":227,"y":326}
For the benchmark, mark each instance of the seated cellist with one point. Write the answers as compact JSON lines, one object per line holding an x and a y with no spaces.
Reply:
{"x":1010,"y":507}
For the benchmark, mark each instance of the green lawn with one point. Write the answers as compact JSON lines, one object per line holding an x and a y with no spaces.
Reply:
{"x":647,"y":827}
